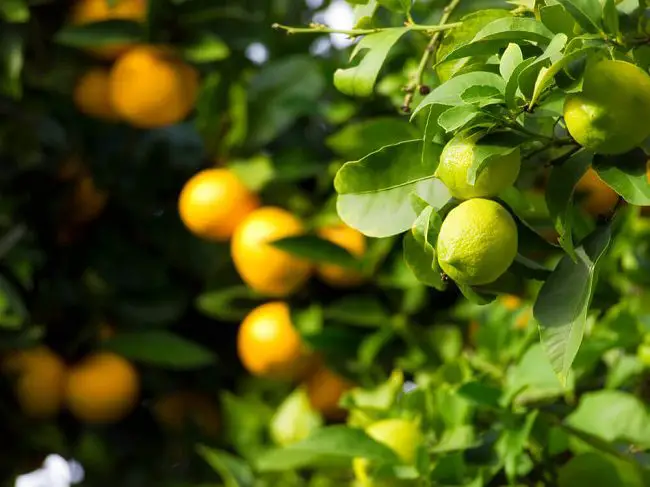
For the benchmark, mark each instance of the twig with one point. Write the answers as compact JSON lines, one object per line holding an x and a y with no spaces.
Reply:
{"x":315,"y":28}
{"x":431,"y":48}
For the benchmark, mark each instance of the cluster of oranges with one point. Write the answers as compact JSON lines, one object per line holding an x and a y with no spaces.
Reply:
{"x":146,"y":86}
{"x":216,"y":205}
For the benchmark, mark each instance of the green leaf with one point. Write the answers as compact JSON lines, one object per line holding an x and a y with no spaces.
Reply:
{"x":512,"y":442}
{"x":563,"y":301}
{"x":97,"y":34}
{"x":626,"y":175}
{"x":358,"y":310}
{"x":206,"y":49}
{"x":399,"y":6}
{"x":449,"y":93}
{"x":489,"y":147}
{"x":356,"y":140}
{"x":559,"y":196}
{"x":363,"y":14}
{"x":337,"y":442}
{"x":500,"y":33}
{"x":553,"y":52}
{"x":596,"y":469}
{"x":419,"y":249}
{"x":586,"y":12}
{"x":234,"y":472}
{"x":373,"y":193}
{"x":160,"y":348}
{"x":229,"y":304}
{"x":482,"y":96}
{"x":458,"y":117}
{"x":14,"y":11}
{"x":481,"y":394}
{"x":511,"y":58}
{"x":610,"y":17}
{"x":245,"y":421}
{"x":360,"y":80}
{"x":294,"y":419}
{"x":613,"y":416}
{"x":317,"y":249}
{"x":512,"y":87}
{"x":13,"y":312}
{"x":558,"y":20}
{"x":11,"y":62}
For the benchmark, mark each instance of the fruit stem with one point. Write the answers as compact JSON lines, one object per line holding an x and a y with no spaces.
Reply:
{"x":432,"y":47}
{"x":315,"y":28}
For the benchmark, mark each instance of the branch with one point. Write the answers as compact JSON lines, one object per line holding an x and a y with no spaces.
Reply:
{"x":315,"y":28}
{"x":431,"y":48}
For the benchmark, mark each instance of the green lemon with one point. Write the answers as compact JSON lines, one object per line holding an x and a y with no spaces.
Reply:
{"x":610,"y":114}
{"x":458,"y":156}
{"x":477,"y":242}
{"x":400,"y":435}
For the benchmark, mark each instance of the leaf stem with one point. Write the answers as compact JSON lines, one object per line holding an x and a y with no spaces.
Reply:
{"x":315,"y":28}
{"x":432,"y":47}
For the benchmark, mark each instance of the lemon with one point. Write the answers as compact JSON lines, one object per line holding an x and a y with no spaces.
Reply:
{"x":608,"y":116}
{"x":477,"y":242}
{"x":457,"y":158}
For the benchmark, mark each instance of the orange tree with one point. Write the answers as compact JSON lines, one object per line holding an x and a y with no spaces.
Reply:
{"x":428,"y":267}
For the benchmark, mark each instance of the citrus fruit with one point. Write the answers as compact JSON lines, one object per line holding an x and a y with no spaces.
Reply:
{"x":180,"y":410}
{"x":39,"y":376}
{"x":477,"y":242}
{"x":214,"y":202}
{"x":90,"y":11}
{"x":351,"y":240}
{"x":599,"y":199}
{"x":400,"y":435}
{"x":87,"y":201}
{"x":511,"y":302}
{"x":92,"y":94}
{"x":102,"y":388}
{"x":606,"y":116}
{"x":269,"y":346}
{"x":325,"y":389}
{"x":457,"y":158}
{"x":264,"y":268}
{"x":151,"y":87}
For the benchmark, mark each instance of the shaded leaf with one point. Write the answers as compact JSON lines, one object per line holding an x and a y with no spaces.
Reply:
{"x":207,"y":48}
{"x":231,"y":303}
{"x":457,"y":117}
{"x":586,"y":12}
{"x":317,"y":249}
{"x":233,"y":471}
{"x":511,"y":58}
{"x":103,"y":33}
{"x":626,"y":175}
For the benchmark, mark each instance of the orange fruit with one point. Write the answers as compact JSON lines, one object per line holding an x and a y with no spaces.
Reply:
{"x":92,"y":94}
{"x":351,"y":240}
{"x":40,"y":376}
{"x":599,"y":199}
{"x":90,"y":11}
{"x":262,"y":267}
{"x":269,"y":346}
{"x":178,"y":409}
{"x":214,"y":202}
{"x":151,"y":87}
{"x":103,"y":388}
{"x":325,"y":389}
{"x":87,"y":201}
{"x":511,"y":302}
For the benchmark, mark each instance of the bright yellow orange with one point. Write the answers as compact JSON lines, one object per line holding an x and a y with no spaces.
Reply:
{"x":599,"y":199}
{"x":87,"y":201}
{"x":178,"y":410}
{"x":262,"y":267}
{"x":325,"y":389}
{"x":351,"y":240}
{"x":103,"y":388}
{"x":151,"y":87}
{"x":214,"y":202}
{"x":39,"y":376}
{"x":269,"y":346}
{"x":90,"y":11}
{"x":92,"y":94}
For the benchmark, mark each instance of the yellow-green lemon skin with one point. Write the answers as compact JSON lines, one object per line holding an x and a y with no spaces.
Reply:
{"x":610,"y":115}
{"x":456,"y":159}
{"x":477,"y":242}
{"x":400,"y":435}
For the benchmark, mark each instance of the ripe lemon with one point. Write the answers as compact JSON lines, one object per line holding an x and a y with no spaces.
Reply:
{"x":477,"y":242}
{"x":325,"y":389}
{"x":103,"y":388}
{"x":151,"y":87}
{"x":39,"y":381}
{"x":269,"y":346}
{"x":608,"y":116}
{"x":599,"y":199}
{"x":351,"y":240}
{"x":458,"y":156}
{"x":90,"y":11}
{"x":264,"y":268}
{"x":92,"y":94}
{"x":178,"y":410}
{"x":400,"y":435}
{"x":214,"y":202}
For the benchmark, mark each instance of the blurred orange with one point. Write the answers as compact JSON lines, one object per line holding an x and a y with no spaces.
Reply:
{"x":177,"y":410}
{"x":351,"y":240}
{"x":325,"y":389}
{"x":92,"y":94}
{"x":599,"y":199}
